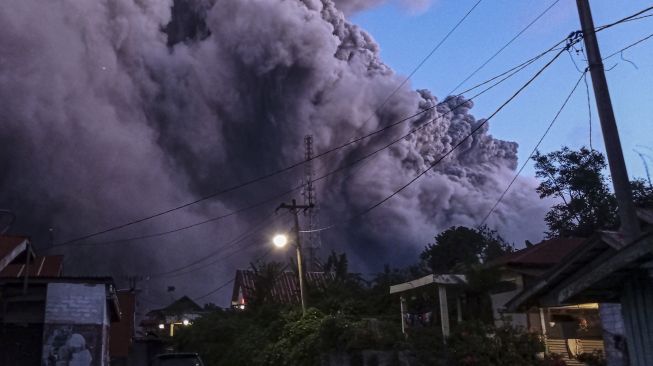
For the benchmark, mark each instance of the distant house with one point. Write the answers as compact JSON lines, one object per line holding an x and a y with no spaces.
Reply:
{"x":568,"y":330}
{"x":284,"y":290}
{"x":179,"y":313}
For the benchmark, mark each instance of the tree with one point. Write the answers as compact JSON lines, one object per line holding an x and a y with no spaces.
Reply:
{"x":576,"y":177}
{"x":587,"y":203}
{"x":459,"y":248}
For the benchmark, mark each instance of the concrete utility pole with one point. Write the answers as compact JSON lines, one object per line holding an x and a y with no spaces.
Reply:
{"x":294,"y":208}
{"x":629,"y":222}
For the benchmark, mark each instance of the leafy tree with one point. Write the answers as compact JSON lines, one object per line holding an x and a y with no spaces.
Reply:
{"x":576,"y":177}
{"x":459,"y":248}
{"x":587,"y":203}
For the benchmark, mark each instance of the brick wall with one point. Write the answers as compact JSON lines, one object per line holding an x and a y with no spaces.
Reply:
{"x":75,"y":303}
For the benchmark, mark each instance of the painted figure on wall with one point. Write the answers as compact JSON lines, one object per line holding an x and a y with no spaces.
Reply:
{"x":65,"y":348}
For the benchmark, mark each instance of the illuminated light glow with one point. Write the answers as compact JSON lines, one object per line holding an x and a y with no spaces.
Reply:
{"x":280,"y":240}
{"x":162,"y":326}
{"x":185,"y":322}
{"x":242,"y":307}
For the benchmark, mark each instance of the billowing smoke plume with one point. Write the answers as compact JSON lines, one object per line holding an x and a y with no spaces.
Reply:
{"x":112,"y":110}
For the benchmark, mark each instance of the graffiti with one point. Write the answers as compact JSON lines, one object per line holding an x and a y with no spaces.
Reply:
{"x":68,"y":345}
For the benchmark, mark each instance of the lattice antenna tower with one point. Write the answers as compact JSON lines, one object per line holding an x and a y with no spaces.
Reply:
{"x":311,"y":215}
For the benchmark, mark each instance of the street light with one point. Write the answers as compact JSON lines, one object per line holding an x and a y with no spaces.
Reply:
{"x":280,"y":240}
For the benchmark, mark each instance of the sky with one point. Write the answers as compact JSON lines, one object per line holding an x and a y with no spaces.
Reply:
{"x":406,"y":37}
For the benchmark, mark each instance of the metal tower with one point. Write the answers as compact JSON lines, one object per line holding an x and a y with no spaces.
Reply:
{"x":312,"y":241}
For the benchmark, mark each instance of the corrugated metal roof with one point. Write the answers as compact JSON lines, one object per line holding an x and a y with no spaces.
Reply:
{"x":285,"y":289}
{"x":47,"y":266}
{"x":10,"y":248}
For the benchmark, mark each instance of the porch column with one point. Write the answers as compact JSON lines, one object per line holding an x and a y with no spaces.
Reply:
{"x":444,"y":310}
{"x":402,"y":303}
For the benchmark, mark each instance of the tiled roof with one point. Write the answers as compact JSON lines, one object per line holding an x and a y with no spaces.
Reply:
{"x":285,"y":289}
{"x":544,"y":254}
{"x":48,"y":266}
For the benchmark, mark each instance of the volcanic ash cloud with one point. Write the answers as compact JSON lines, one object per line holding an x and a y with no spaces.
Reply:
{"x":106,"y":119}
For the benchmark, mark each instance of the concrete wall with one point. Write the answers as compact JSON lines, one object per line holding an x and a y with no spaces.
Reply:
{"x":500,"y":299}
{"x":76,"y":326}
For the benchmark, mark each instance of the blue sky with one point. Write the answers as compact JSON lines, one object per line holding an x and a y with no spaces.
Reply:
{"x":406,"y":38}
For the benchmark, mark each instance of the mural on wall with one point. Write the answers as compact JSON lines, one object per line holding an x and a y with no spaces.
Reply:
{"x":72,"y":345}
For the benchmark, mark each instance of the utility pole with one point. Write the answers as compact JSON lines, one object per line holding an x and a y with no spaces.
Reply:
{"x":294,"y":208}
{"x":629,"y":222}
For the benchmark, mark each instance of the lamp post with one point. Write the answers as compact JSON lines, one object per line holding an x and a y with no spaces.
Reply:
{"x":280,"y":241}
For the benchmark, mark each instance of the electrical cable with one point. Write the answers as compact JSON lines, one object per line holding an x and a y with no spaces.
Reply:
{"x":228,"y":282}
{"x":506,"y":74}
{"x":442,"y":157}
{"x":326,"y":152}
{"x":546,"y":132}
{"x":287,"y":168}
{"x":504,"y":46}
{"x":237,"y":240}
{"x":178,"y":270}
{"x":423,"y":61}
{"x":626,"y":19}
{"x":629,"y":46}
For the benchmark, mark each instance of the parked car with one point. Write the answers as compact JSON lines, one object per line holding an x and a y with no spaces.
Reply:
{"x":177,"y":359}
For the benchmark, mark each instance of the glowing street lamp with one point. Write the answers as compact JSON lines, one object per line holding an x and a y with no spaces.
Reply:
{"x":280,"y":240}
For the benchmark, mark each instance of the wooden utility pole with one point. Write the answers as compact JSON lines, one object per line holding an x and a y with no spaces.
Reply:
{"x":629,"y":222}
{"x":294,"y":208}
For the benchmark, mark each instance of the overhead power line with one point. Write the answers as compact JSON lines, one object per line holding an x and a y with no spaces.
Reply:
{"x":242,"y":236}
{"x":428,"y":56}
{"x":629,"y":46}
{"x":546,"y":132}
{"x":228,"y":282}
{"x":500,"y":77}
{"x":626,"y":19}
{"x":450,"y":151}
{"x":287,"y":168}
{"x":500,"y":50}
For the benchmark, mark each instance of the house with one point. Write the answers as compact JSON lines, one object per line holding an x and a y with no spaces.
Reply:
{"x":615,"y":273}
{"x":180,"y":313}
{"x":283,"y":289}
{"x":57,"y":318}
{"x":567,"y":330}
{"x":47,"y":318}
